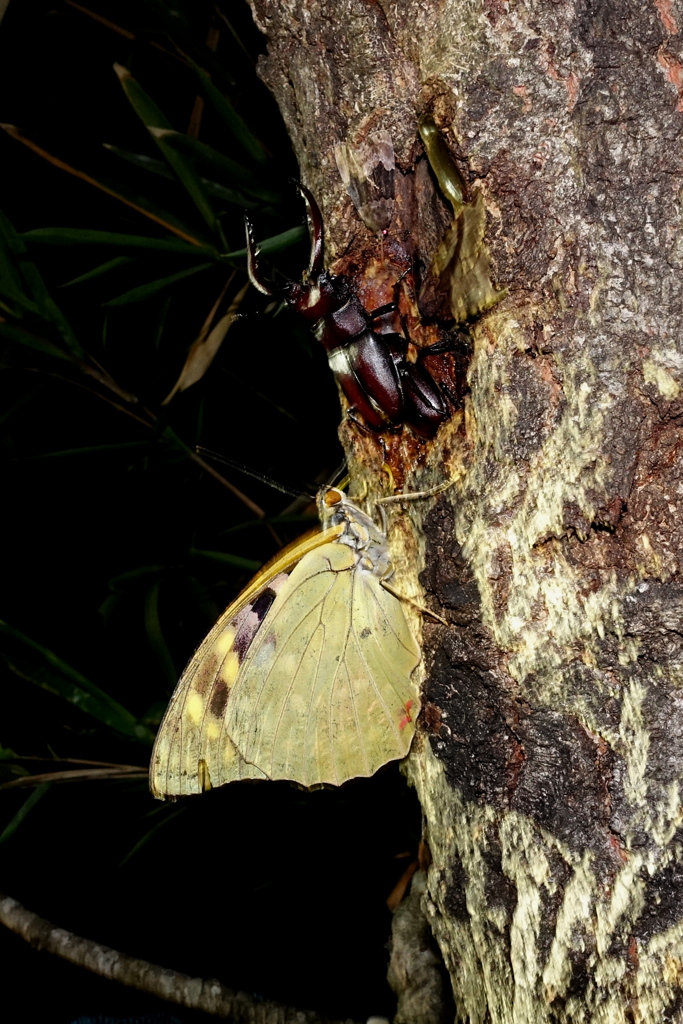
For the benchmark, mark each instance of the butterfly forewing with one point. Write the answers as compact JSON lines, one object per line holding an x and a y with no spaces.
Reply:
{"x":325,"y":691}
{"x":193,"y":752}
{"x":305,"y":677}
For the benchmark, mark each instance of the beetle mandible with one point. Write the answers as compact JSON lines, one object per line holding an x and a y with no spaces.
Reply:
{"x":374,"y":372}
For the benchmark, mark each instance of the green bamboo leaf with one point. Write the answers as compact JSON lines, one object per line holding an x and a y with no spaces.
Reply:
{"x":232,"y":196}
{"x":169,"y":14}
{"x":212,"y":188}
{"x":225,"y":110}
{"x":103,"y":268}
{"x":147,"y":291}
{"x":13,"y":294}
{"x":125,"y":579}
{"x":25,"y":809}
{"x":200,"y":600}
{"x":97,"y":449}
{"x":169,"y":815}
{"x":33,"y":283}
{"x":142,"y":161}
{"x":155,"y":121}
{"x":85,"y":236}
{"x":226,"y":559}
{"x":10,"y":280}
{"x":218,"y":163}
{"x":155,"y":635}
{"x":38,"y":344}
{"x":276,"y":243}
{"x":117,"y":191}
{"x":143,"y":105}
{"x":37,"y":664}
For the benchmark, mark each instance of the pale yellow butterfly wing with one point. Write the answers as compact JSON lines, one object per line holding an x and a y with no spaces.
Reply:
{"x":193,"y":751}
{"x":325,"y":693}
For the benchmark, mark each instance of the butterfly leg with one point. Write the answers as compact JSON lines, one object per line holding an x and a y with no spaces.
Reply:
{"x":395,"y":499}
{"x":414,"y":604}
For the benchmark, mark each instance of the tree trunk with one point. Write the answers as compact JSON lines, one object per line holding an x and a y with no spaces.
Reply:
{"x":550,"y":754}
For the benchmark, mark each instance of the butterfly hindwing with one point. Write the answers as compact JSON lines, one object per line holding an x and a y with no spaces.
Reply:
{"x":325,"y":693}
{"x":307,"y":676}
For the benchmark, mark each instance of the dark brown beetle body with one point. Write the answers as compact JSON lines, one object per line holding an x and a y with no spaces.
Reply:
{"x":371,"y":365}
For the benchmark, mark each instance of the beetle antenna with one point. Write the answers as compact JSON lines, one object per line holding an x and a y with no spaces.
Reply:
{"x":253,"y":268}
{"x":275,"y":484}
{"x":315,"y":227}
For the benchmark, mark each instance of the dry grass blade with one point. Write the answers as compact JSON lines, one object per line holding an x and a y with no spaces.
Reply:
{"x":205,"y":349}
{"x":102,"y":21}
{"x":63,"y":166}
{"x":76,"y":775}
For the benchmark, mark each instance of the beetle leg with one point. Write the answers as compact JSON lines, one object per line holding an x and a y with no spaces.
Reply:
{"x":253,"y":268}
{"x":390,"y":307}
{"x":359,"y":422}
{"x":315,"y":226}
{"x":437,"y":348}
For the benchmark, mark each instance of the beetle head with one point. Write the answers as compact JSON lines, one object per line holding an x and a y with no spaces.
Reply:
{"x":315,"y":297}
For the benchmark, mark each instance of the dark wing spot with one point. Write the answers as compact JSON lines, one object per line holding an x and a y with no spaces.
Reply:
{"x":249,"y":622}
{"x":206,"y":671}
{"x":365,"y":633}
{"x":219,"y":699}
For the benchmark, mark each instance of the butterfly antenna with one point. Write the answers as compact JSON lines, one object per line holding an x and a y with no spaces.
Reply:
{"x":262,"y":477}
{"x":340,"y":477}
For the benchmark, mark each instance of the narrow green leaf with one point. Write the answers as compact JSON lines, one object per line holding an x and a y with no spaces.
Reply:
{"x":274,"y":244}
{"x":155,"y":122}
{"x":36,"y":287}
{"x":169,"y":14}
{"x":218,"y":163}
{"x":103,"y":268}
{"x":85,"y":236}
{"x":10,"y":280}
{"x":97,"y":449}
{"x":225,"y":110}
{"x":143,"y":104}
{"x":117,"y":191}
{"x":232,"y":196}
{"x":155,"y":635}
{"x":147,"y":291}
{"x":37,"y":664}
{"x":18,"y":334}
{"x":25,"y":809}
{"x":18,"y":297}
{"x":212,"y":188}
{"x":124,"y":579}
{"x":226,"y":559}
{"x":170,"y":815}
{"x":142,"y":161}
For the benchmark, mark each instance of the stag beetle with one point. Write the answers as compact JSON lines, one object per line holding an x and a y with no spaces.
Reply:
{"x":371,"y":366}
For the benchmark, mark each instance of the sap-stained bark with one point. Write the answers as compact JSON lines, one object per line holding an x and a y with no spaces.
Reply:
{"x":551,"y":752}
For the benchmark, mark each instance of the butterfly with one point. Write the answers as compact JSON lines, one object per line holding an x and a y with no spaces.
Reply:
{"x":306,"y":676}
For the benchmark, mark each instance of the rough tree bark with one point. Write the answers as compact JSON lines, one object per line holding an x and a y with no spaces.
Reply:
{"x":551,"y":750}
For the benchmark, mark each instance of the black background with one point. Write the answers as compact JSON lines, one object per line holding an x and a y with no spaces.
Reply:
{"x":273,"y":890}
